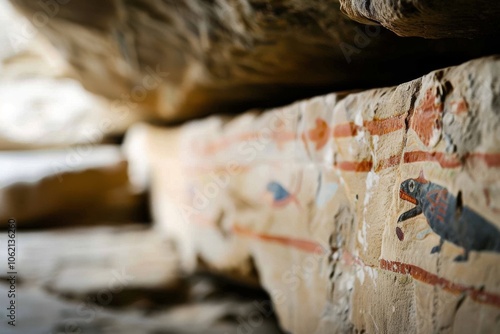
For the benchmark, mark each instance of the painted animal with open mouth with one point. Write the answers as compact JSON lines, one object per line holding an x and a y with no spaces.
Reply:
{"x":448,"y":218}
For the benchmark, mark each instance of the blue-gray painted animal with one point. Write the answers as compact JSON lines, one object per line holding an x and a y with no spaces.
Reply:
{"x":448,"y":218}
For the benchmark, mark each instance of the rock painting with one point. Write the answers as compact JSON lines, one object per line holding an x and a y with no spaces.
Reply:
{"x":448,"y":217}
{"x":280,"y":196}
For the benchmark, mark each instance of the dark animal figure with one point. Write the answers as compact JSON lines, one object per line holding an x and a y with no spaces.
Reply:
{"x":449,"y":218}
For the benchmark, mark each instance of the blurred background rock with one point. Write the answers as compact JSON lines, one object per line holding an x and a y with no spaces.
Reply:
{"x":75,"y":75}
{"x":61,"y":167}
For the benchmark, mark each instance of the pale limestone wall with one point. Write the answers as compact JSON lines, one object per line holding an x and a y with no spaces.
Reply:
{"x":310,"y":195}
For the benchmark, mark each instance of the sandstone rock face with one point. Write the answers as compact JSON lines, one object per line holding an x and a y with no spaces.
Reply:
{"x":82,"y":184}
{"x":428,"y":18}
{"x":178,"y":59}
{"x":369,"y":212}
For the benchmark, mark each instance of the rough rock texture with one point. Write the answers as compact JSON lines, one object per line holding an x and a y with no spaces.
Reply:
{"x":180,"y":59}
{"x":78,"y":262}
{"x":340,"y":203}
{"x":122,"y":280}
{"x":429,"y":18}
{"x":81,"y":184}
{"x":43,"y":312}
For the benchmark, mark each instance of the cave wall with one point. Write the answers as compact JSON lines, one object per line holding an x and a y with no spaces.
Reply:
{"x":374,"y":211}
{"x":343,"y":155}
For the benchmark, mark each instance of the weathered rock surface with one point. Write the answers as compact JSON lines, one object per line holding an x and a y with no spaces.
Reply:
{"x":43,"y":312}
{"x":122,"y":280}
{"x":180,"y":59}
{"x":77,"y":262}
{"x":340,"y":202}
{"x":429,"y":18}
{"x":81,"y":184}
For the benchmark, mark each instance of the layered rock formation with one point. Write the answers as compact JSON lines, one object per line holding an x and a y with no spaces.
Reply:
{"x":375,"y":211}
{"x":179,"y":59}
{"x":360,"y":211}
{"x":122,"y":280}
{"x":83,"y":184}
{"x":428,"y":18}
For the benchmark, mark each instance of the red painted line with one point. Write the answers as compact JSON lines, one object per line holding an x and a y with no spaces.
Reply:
{"x":365,"y":166}
{"x":376,"y":127}
{"x":447,"y":161}
{"x":385,"y":126}
{"x":439,"y":157}
{"x":214,"y":147}
{"x":414,"y":271}
{"x":223,"y":143}
{"x":345,"y":130}
{"x":392,"y":161}
{"x":226,"y":142}
{"x":492,"y":160}
{"x":304,"y":245}
{"x":355,"y":166}
{"x":231,"y":169}
{"x":422,"y":275}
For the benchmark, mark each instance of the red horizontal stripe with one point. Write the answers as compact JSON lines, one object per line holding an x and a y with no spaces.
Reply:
{"x":447,"y":161}
{"x":392,"y":161}
{"x":223,"y":143}
{"x":355,"y":166}
{"x":422,"y":275}
{"x":416,"y":272}
{"x":345,"y":130}
{"x":385,"y":126}
{"x":305,"y":245}
{"x":376,"y":127}
{"x":439,"y":157}
{"x":492,"y":160}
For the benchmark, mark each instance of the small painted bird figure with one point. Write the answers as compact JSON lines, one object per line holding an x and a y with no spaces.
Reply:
{"x":281,"y":197}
